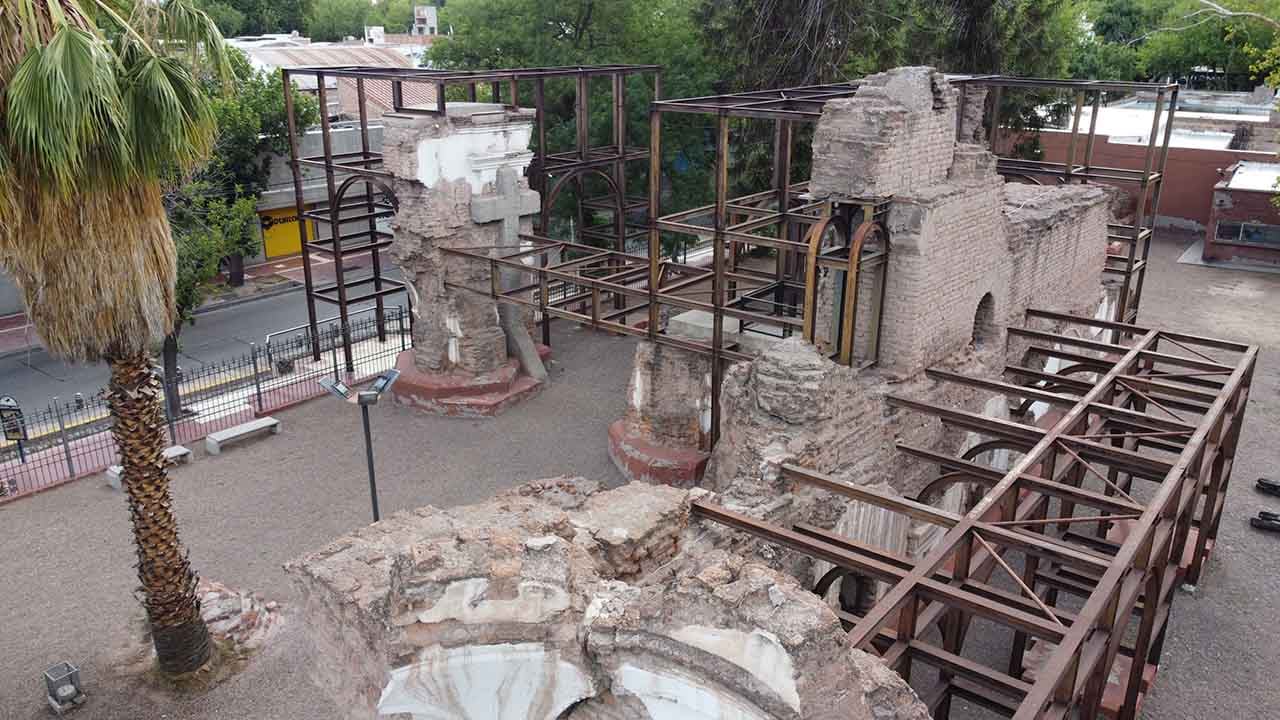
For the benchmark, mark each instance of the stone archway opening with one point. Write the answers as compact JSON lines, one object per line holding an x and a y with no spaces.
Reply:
{"x":984,"y":322}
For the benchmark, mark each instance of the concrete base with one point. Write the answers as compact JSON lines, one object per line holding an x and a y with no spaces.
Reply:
{"x":464,"y":394}
{"x":698,"y":325}
{"x":642,"y":460}
{"x":173,"y":455}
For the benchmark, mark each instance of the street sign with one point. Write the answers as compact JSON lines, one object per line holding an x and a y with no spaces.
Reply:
{"x":11,"y":419}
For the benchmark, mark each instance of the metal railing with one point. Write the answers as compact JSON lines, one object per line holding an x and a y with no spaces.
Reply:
{"x":69,"y":439}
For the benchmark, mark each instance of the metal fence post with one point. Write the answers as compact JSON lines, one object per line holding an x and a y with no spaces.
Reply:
{"x":257,"y":383}
{"x":168,"y":412}
{"x":400,"y":326}
{"x":333,"y":346}
{"x":66,"y":442}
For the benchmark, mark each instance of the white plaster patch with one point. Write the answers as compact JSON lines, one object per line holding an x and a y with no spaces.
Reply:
{"x":464,"y":601}
{"x":454,"y":327}
{"x":670,"y":697}
{"x":758,"y":652}
{"x":704,"y":406}
{"x":525,"y":681}
{"x":639,"y":389}
{"x":475,"y":155}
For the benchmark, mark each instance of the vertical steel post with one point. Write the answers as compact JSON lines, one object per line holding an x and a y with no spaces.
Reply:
{"x":717,"y":278}
{"x":368,"y":454}
{"x":257,"y":382}
{"x":400,"y":327}
{"x":66,"y":442}
{"x":1155,"y":201}
{"x":335,"y":223}
{"x":300,"y":205}
{"x":370,"y":207}
{"x":655,"y":235}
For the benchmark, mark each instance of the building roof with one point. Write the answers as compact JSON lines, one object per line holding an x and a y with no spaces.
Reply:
{"x":272,"y":52}
{"x":1258,"y":176}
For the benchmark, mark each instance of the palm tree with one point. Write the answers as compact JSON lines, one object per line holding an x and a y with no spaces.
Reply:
{"x":99,"y":102}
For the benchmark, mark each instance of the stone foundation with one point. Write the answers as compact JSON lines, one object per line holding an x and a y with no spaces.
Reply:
{"x":557,"y":600}
{"x":462,"y":393}
{"x":662,"y":436}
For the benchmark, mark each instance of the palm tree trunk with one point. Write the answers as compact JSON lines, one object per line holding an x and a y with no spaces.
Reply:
{"x":168,"y":583}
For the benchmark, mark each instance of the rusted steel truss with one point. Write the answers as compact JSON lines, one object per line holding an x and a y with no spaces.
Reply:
{"x":1106,"y":511}
{"x":359,"y":192}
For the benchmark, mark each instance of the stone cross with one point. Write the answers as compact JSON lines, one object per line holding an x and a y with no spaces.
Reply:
{"x":510,"y":203}
{"x":507,"y":205}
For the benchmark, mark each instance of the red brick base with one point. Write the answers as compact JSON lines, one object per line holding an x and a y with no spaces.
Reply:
{"x":640,"y":459}
{"x":464,"y":394}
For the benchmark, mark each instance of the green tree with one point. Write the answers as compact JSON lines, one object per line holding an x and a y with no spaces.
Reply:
{"x":257,"y":17}
{"x":252,"y":127}
{"x":1223,"y":36}
{"x":333,"y":20}
{"x":230,"y":21}
{"x":206,"y":228}
{"x":93,"y":114}
{"x":532,"y":33}
{"x":394,"y":15}
{"x":1122,"y":21}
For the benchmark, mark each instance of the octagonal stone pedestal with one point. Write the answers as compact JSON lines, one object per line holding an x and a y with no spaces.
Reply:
{"x":463,"y":393}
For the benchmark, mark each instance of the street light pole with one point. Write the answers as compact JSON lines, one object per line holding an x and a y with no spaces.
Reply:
{"x":368,"y":451}
{"x":364,"y":399}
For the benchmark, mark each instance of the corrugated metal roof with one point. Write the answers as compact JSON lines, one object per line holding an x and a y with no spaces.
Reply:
{"x":290,"y":57}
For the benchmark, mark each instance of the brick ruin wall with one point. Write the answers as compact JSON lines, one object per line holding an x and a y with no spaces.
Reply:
{"x":969,"y":254}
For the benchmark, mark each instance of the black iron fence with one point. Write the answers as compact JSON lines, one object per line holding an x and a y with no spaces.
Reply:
{"x":69,"y":439}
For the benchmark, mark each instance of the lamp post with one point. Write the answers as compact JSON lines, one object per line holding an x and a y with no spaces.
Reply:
{"x":365,"y":399}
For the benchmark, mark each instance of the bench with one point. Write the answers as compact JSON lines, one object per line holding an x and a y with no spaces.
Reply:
{"x":214,"y":441}
{"x":173,"y":455}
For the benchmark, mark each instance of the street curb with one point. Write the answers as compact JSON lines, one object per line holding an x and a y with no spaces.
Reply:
{"x":293,"y":287}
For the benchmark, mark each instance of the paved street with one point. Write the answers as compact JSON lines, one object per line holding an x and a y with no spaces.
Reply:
{"x":34,"y":377}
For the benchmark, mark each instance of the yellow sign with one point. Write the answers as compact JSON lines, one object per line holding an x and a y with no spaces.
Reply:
{"x":280,"y":232}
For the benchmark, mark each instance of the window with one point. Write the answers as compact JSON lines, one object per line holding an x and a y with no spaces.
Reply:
{"x":1248,"y":234}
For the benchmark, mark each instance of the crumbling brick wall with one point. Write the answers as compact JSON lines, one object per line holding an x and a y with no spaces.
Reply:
{"x":669,"y":396}
{"x":556,"y":600}
{"x":893,"y":136}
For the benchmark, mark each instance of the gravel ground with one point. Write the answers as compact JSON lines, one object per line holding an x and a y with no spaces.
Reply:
{"x":66,"y":569}
{"x":1223,"y":647}
{"x":65,"y":574}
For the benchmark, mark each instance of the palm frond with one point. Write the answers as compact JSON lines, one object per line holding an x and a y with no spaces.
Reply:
{"x":91,"y":121}
{"x":173,"y":122}
{"x":65,"y":118}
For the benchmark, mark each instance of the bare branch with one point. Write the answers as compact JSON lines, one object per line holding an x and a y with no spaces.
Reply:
{"x":1224,"y":12}
{"x":1211,"y":11}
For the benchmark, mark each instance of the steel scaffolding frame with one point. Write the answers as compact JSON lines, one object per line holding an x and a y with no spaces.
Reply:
{"x":360,"y":170}
{"x":1166,"y":409}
